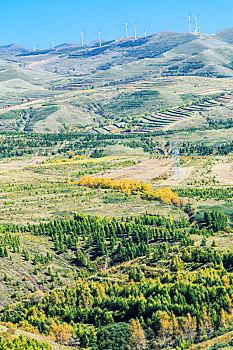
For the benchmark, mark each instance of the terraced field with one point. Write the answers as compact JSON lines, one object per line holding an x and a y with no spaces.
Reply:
{"x":163,"y":119}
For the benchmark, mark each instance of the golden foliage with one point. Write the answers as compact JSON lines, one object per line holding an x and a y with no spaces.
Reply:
{"x":190,"y":327}
{"x":165,"y":327}
{"x":60,"y":333}
{"x":165,"y":195}
{"x":11,"y":328}
{"x":137,"y":339}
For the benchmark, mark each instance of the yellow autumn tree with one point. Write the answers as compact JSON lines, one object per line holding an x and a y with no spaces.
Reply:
{"x":165,"y":195}
{"x":60,"y":333}
{"x":175,"y":328}
{"x":137,"y":340}
{"x":190,"y":327}
{"x":165,"y":328}
{"x":223,"y":319}
{"x":226,"y":281}
{"x":206,"y":323}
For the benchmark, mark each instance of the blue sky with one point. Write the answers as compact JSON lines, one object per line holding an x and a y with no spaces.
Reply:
{"x":38,"y":22}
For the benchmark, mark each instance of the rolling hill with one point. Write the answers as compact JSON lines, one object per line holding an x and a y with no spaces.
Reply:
{"x":67,"y":45}
{"x":225,"y":35}
{"x":186,"y":50}
{"x":94,"y":87}
{"x":116,"y":175}
{"x":13,"y":49}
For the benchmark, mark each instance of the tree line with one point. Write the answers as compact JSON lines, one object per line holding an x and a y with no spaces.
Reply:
{"x":171,"y":309}
{"x":222,"y":193}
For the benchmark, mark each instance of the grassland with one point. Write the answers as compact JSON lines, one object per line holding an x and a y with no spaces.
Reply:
{"x":34,"y":184}
{"x":34,"y":187}
{"x":90,"y":91}
{"x":38,"y":184}
{"x":116,"y":121}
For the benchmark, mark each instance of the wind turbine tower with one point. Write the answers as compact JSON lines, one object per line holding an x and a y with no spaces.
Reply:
{"x":100,"y":38}
{"x":82,"y":38}
{"x":176,"y":171}
{"x":145,"y":33}
{"x":196,"y":26}
{"x":189,"y":19}
{"x":52,"y":44}
{"x":126,"y":29}
{"x":135,"y":33}
{"x":189,"y":22}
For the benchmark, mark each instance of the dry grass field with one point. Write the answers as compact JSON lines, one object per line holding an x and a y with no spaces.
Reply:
{"x":115,"y":112}
{"x":35,"y":188}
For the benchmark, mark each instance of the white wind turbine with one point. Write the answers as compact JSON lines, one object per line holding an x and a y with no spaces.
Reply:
{"x":145,"y":34}
{"x":81,"y":33}
{"x":189,"y":22}
{"x":52,"y":44}
{"x":196,"y":25}
{"x":126,"y":29}
{"x":99,"y":35}
{"x":100,"y":42}
{"x":189,"y":19}
{"x":135,"y":33}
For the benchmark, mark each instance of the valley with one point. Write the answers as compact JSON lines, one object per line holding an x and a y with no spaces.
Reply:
{"x":125,"y":85}
{"x":116,"y":184}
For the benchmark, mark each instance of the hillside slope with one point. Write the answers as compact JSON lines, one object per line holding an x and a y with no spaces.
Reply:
{"x":225,"y":35}
{"x":99,"y":88}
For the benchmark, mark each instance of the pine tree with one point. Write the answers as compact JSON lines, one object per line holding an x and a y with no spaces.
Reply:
{"x":2,"y":254}
{"x":5,"y":252}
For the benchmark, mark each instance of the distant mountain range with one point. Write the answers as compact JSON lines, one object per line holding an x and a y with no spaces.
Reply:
{"x":13,"y":48}
{"x":171,"y":54}
{"x":224,"y":35}
{"x":109,"y":77}
{"x":175,"y":54}
{"x":67,"y":45}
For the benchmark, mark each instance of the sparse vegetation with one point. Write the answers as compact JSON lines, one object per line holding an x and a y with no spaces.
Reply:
{"x":101,"y":247}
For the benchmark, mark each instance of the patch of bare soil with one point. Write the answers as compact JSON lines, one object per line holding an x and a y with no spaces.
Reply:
{"x":26,"y":105}
{"x":144,"y":171}
{"x":225,"y":172}
{"x":16,"y":164}
{"x":149,"y":169}
{"x":185,"y":173}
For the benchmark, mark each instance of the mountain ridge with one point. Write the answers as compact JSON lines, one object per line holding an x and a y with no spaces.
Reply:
{"x":224,"y":34}
{"x":14,"y":48}
{"x":121,"y":67}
